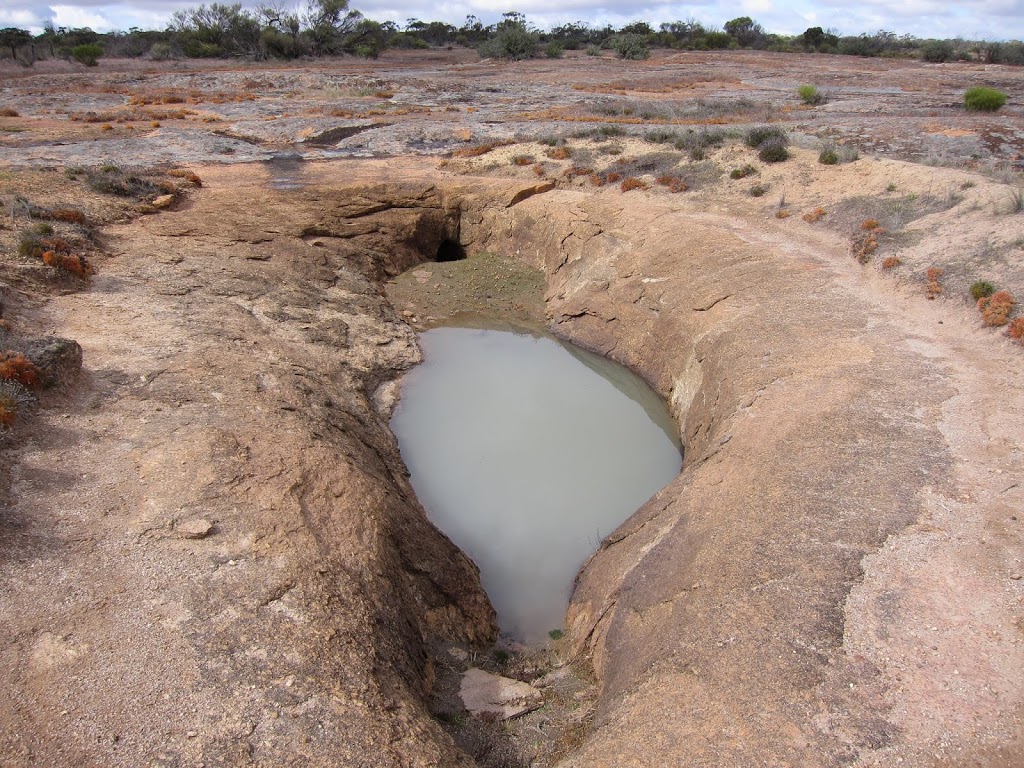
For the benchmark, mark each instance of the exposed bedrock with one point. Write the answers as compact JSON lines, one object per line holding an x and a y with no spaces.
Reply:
{"x":263,"y":586}
{"x":715,"y":616}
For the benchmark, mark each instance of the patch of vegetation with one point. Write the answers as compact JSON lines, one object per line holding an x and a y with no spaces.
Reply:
{"x":511,"y":40}
{"x":631,"y":183}
{"x":112,"y":180}
{"x":759,"y":190}
{"x":632,"y":47}
{"x":812,"y":217}
{"x":995,"y":309}
{"x":87,"y":54}
{"x":1016,"y":329}
{"x":933,"y":281}
{"x":828,"y":154}
{"x":981,"y":288}
{"x":981,"y":99}
{"x":773,"y":150}
{"x":554,"y":50}
{"x":697,"y":142}
{"x":15,"y":367}
{"x":811,"y":95}
{"x":743,"y":172}
{"x":759,"y":134}
{"x":891,"y":262}
{"x":13,"y":397}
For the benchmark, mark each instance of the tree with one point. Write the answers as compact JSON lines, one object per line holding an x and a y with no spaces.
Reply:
{"x":13,"y":38}
{"x":744,"y":30}
{"x":512,"y":39}
{"x":328,"y":24}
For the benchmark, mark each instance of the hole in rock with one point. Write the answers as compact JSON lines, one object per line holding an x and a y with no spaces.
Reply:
{"x":527,"y":451}
{"x":450,"y":250}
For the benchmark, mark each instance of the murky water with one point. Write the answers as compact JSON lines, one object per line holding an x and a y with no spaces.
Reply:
{"x":527,"y":452}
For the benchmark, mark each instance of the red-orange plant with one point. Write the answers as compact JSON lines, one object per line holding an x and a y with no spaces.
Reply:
{"x":869,"y":224}
{"x":597,"y":180}
{"x":812,"y":216}
{"x":891,"y":262}
{"x":933,"y":279}
{"x":69,"y":262}
{"x":14,"y":366}
{"x":1016,"y":329}
{"x":995,"y":309}
{"x":559,"y":153}
{"x":632,"y":183}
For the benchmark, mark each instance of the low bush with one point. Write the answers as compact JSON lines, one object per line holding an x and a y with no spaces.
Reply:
{"x":522,"y":160}
{"x":559,"y":153}
{"x":8,"y":112}
{"x":1016,"y":329}
{"x":759,"y":190}
{"x":814,"y":216}
{"x":981,"y":288}
{"x":811,"y":95}
{"x":773,"y":150}
{"x":17,"y":368}
{"x":73,"y":263}
{"x":759,"y":134}
{"x":981,"y":99}
{"x":891,"y":262}
{"x":933,"y":281}
{"x":742,"y":173}
{"x":632,"y":47}
{"x":632,"y":183}
{"x":828,"y":155}
{"x":554,"y":50}
{"x":87,"y":54}
{"x":995,"y":309}
{"x":12,"y":397}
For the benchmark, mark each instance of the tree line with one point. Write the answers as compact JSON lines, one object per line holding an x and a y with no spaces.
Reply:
{"x":277,"y":30}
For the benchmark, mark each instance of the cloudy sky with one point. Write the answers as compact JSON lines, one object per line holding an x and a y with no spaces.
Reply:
{"x":972,"y":19}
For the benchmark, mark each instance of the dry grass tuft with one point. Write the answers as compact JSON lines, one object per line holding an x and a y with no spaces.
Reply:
{"x":814,"y":216}
{"x":559,"y":153}
{"x":891,"y":262}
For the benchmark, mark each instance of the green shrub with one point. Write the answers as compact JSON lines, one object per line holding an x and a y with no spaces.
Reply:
{"x":632,"y":47}
{"x":811,"y":95}
{"x":511,"y":41}
{"x":980,"y":99}
{"x":981,"y":289}
{"x":87,"y":54}
{"x":773,"y":150}
{"x":937,"y":51}
{"x":759,"y":134}
{"x":759,"y":190}
{"x":593,"y":50}
{"x":828,"y":155}
{"x":742,"y":173}
{"x":554,"y":50}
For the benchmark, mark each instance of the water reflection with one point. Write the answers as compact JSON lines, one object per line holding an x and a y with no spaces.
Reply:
{"x":527,"y":452}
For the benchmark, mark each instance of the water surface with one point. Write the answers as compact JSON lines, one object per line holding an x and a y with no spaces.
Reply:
{"x":526,"y":452}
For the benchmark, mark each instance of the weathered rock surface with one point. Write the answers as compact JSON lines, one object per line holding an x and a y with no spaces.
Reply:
{"x":769,"y":606}
{"x":484,"y":693}
{"x":827,"y":582}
